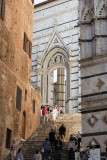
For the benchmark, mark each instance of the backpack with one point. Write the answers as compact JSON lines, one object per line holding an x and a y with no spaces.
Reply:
{"x":44,"y":111}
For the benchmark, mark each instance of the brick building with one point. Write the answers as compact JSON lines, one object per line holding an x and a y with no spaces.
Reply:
{"x":19,"y":102}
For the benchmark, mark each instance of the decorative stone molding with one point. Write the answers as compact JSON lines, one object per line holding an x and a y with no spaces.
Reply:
{"x":102,"y":9}
{"x":55,"y":41}
{"x":92,"y":120}
{"x":93,"y":142}
{"x":56,"y":59}
{"x":105,"y":119}
{"x":99,"y":84}
{"x":87,"y":12}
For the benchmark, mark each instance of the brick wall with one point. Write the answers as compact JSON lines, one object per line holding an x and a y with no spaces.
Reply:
{"x":15,"y":70}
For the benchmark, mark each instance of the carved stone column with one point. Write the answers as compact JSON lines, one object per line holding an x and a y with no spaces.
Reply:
{"x":61,"y":88}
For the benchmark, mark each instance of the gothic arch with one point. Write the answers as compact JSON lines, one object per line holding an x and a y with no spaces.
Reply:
{"x":102,"y":9}
{"x":87,"y":12}
{"x":51,"y":57}
{"x":55,"y":58}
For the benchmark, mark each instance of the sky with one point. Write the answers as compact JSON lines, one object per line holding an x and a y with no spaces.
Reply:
{"x":39,"y":1}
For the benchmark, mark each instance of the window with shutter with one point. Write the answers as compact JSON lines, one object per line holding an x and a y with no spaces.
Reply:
{"x":8,"y":138}
{"x":30,"y":49}
{"x":27,"y":45}
{"x":18,"y":98}
{"x":2,"y":11}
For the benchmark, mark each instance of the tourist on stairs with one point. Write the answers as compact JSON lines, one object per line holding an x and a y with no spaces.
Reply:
{"x":38,"y":155}
{"x":54,"y":127}
{"x":54,"y":114}
{"x":71,"y":148}
{"x":45,"y":115}
{"x":52,"y":137}
{"x":14,"y":148}
{"x":47,"y":149}
{"x":62,"y":131}
{"x":19,"y":156}
{"x":79,"y":139}
{"x":58,"y":148}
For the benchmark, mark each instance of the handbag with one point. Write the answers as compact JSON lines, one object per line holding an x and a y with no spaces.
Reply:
{"x":42,"y":150}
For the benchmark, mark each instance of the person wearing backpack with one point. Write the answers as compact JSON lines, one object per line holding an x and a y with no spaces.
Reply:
{"x":62,"y":131}
{"x":45,"y":115}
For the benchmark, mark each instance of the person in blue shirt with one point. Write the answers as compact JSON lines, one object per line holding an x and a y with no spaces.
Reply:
{"x":47,"y":149}
{"x":19,"y":156}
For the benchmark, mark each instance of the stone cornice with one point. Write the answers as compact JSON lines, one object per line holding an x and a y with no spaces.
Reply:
{"x":43,"y":3}
{"x":93,"y":60}
{"x":95,"y":37}
{"x":93,"y":20}
{"x":93,"y":109}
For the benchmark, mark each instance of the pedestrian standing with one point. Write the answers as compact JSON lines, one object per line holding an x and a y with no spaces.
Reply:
{"x":19,"y":156}
{"x":45,"y":115}
{"x":62,"y":131}
{"x":37,"y":155}
{"x":47,"y":149}
{"x":58,"y":148}
{"x":14,"y":148}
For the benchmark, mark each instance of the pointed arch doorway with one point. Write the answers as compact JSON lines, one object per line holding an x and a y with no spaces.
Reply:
{"x":56,"y":87}
{"x":56,"y":58}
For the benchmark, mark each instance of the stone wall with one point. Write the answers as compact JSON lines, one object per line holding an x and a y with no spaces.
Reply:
{"x":72,"y":122}
{"x":15,"y":70}
{"x":93,"y":66}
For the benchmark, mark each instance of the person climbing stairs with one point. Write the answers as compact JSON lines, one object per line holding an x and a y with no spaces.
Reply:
{"x":35,"y":141}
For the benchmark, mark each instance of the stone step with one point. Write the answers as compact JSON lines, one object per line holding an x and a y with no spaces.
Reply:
{"x":35,"y":141}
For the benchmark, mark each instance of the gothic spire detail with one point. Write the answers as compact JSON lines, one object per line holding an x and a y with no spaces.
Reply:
{"x":87,"y":12}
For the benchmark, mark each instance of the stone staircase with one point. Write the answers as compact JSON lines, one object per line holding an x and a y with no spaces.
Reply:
{"x":72,"y":123}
